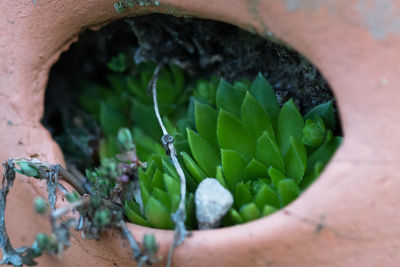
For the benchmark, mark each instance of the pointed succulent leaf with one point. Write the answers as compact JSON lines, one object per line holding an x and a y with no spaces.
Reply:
{"x":191,"y":183}
{"x":255,"y":118}
{"x":134,"y":217}
{"x":169,"y":169}
{"x":158,"y":215}
{"x":256,"y":169}
{"x":150,"y":170}
{"x":220,"y":177}
{"x":268,"y":152}
{"x":169,"y":125}
{"x":144,"y":193}
{"x":135,"y":88}
{"x":166,"y":90}
{"x":290,"y":124}
{"x":267,"y":210}
{"x":266,"y":195}
{"x":206,"y":91}
{"x":313,"y":175}
{"x":190,"y":212}
{"x":195,"y":171}
{"x":145,"y":119}
{"x":206,"y":122}
{"x":296,"y":160}
{"x":205,"y":155}
{"x":117,"y":83}
{"x":233,"y":135}
{"x":328,"y":136}
{"x":111,"y":119}
{"x":233,"y":165}
{"x":175,"y":199}
{"x":133,"y":206}
{"x":229,"y":98}
{"x":162,"y":197}
{"x":145,"y":179}
{"x":158,"y":161}
{"x":325,"y":112}
{"x":323,"y":153}
{"x":264,"y":94}
{"x":288,"y":190}
{"x":145,"y":145}
{"x":181,"y":143}
{"x":249,"y":212}
{"x":235,"y":217}
{"x":242,"y":195}
{"x":157,"y":181}
{"x":276,"y":176}
{"x":177,"y":77}
{"x":173,"y":186}
{"x":243,"y":85}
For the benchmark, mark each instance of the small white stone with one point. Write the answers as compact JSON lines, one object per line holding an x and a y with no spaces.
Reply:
{"x":213,"y":201}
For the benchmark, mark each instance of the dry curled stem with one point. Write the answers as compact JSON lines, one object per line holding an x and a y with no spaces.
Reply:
{"x":179,"y":216}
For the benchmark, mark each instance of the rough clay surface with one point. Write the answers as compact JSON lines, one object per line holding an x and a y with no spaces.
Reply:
{"x":349,"y":217}
{"x":212,"y":202}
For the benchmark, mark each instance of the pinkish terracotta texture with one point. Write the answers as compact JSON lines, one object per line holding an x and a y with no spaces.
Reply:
{"x":349,"y":217}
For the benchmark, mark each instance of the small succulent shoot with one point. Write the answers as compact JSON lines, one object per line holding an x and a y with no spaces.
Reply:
{"x":150,"y":245}
{"x":102,"y":217}
{"x":27,"y":168}
{"x":72,"y":197}
{"x":125,"y":140}
{"x":40,"y":205}
{"x":118,"y":63}
{"x":314,"y":132}
{"x":43,"y":241}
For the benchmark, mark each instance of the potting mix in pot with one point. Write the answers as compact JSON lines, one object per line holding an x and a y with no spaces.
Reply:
{"x":242,"y":152}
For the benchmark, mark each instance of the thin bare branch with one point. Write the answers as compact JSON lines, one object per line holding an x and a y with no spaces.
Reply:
{"x":10,"y":255}
{"x":179,"y":216}
{"x":137,"y":252}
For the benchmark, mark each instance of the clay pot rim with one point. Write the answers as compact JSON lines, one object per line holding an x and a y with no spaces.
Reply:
{"x":360,"y":148}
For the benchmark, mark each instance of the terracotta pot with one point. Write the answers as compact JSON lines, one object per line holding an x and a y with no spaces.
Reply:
{"x":349,"y":217}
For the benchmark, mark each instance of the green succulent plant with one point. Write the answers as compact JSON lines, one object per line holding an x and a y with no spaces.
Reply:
{"x":264,"y":154}
{"x":159,"y":197}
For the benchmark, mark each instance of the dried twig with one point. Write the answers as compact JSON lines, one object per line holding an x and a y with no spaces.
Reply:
{"x":179,"y":216}
{"x":137,"y":252}
{"x":10,"y":255}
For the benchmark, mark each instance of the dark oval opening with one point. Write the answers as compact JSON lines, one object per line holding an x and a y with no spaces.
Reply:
{"x":201,"y":49}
